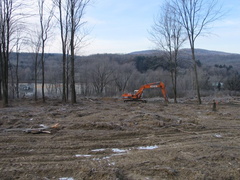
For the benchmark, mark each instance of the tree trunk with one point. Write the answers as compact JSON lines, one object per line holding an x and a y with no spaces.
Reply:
{"x":5,"y":81}
{"x":12,"y":81}
{"x":72,"y":48}
{"x":175,"y":88}
{"x":196,"y":75}
{"x":173,"y":70}
{"x":35,"y":76}
{"x":17,"y":77}
{"x":1,"y":66}
{"x":72,"y":85}
{"x":43,"y":75}
{"x":45,"y":28}
{"x":175,"y":75}
{"x":67,"y":79}
{"x":0,"y":89}
{"x":64,"y":77}
{"x":64,"y":47}
{"x":4,"y":63}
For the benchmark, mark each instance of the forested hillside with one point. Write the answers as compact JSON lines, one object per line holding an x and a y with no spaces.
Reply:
{"x":113,"y":74}
{"x":144,"y":60}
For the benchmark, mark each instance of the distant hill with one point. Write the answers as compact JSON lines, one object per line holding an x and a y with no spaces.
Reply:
{"x":206,"y":52}
{"x":214,"y":57}
{"x":186,"y":51}
{"x":206,"y":57}
{"x":146,"y":52}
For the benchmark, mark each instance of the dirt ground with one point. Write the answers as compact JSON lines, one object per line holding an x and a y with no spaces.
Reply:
{"x":105,"y":138}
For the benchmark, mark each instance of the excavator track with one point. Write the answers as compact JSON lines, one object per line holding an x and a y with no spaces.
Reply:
{"x":135,"y":100}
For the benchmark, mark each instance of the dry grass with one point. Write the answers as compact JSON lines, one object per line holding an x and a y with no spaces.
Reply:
{"x":109,"y":139}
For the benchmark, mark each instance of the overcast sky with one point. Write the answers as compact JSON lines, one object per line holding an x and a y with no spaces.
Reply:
{"x":121,"y":26}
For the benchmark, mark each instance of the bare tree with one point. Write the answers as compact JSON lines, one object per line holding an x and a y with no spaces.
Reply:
{"x":102,"y":75}
{"x":195,"y":16}
{"x":85,"y":77}
{"x":67,"y":73}
{"x":5,"y":18}
{"x":63,"y":19}
{"x":167,"y":34}
{"x":18,"y":45}
{"x":35,"y":44}
{"x":77,"y":9}
{"x":8,"y":21}
{"x":45,"y":24}
{"x":1,"y":52}
{"x":122,"y":76}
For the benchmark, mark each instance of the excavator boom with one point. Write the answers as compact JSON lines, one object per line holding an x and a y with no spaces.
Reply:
{"x":138,"y":95}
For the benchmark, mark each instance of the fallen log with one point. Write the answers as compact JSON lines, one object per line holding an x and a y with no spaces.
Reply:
{"x":42,"y":129}
{"x":37,"y":130}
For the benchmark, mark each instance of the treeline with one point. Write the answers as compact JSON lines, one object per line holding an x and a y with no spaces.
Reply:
{"x":29,"y":26}
{"x":114,"y":74}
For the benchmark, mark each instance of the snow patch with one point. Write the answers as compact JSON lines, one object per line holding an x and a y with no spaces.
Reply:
{"x":116,"y":150}
{"x":218,"y":135}
{"x":147,"y":147}
{"x":83,"y":155}
{"x":66,"y":178}
{"x":98,"y":150}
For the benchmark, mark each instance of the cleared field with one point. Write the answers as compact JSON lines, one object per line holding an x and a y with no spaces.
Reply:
{"x":106,"y":138}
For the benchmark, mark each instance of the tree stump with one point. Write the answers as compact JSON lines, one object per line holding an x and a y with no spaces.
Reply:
{"x":214,"y":108}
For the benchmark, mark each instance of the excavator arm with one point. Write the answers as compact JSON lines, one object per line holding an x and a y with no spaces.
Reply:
{"x":138,"y":95}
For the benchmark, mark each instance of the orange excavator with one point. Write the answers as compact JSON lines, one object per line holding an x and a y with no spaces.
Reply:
{"x":138,"y":94}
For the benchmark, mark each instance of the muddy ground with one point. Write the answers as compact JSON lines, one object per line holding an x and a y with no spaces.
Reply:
{"x":105,"y":138}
